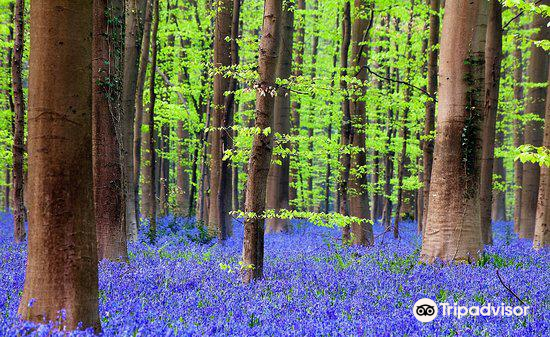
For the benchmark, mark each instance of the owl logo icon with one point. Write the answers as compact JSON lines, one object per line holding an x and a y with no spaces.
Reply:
{"x":425,"y":310}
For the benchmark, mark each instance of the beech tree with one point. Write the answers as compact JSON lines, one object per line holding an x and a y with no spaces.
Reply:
{"x":429,"y":119}
{"x":109,"y":193}
{"x":518,"y":132}
{"x":346,"y":120}
{"x":61,"y":268}
{"x":357,"y":193}
{"x":18,"y":124}
{"x":141,"y":140}
{"x":219,"y":219}
{"x":533,"y":133}
{"x":262,"y":147}
{"x":278,"y":178}
{"x":542,"y":224}
{"x":149,"y":188}
{"x":298,"y":65}
{"x":453,"y":231}
{"x":133,"y":12}
{"x":493,"y":51}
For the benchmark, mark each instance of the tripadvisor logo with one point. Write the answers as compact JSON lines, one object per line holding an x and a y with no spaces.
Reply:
{"x":425,"y":310}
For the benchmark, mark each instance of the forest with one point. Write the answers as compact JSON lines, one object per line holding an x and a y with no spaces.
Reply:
{"x":274,"y":168}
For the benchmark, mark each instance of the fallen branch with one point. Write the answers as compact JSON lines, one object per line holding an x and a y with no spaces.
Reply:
{"x":508,"y":288}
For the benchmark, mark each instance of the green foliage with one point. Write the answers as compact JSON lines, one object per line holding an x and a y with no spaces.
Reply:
{"x":497,"y":261}
{"x":318,"y":219}
{"x":399,"y":264}
{"x":537,"y":155}
{"x":184,"y":85}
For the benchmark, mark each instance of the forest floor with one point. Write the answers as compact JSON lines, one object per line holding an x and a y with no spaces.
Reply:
{"x":313,"y":287}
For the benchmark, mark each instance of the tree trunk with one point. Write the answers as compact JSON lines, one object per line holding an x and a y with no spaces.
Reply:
{"x":493,"y":52}
{"x":7,"y":91}
{"x":345,"y":130}
{"x":429,"y":123}
{"x":139,"y":140}
{"x":377,"y":197}
{"x":278,"y":178}
{"x":132,"y":46}
{"x":219,"y":220}
{"x":62,"y":252}
{"x":388,"y":163}
{"x":357,"y":194}
{"x":19,"y":124}
{"x":312,"y":207}
{"x":542,"y":224}
{"x":533,"y":134}
{"x":7,"y":192}
{"x":498,"y":212}
{"x":109,"y":204}
{"x":328,"y":172}
{"x":404,"y":131}
{"x":453,"y":231}
{"x":164,"y":162}
{"x":518,"y":132}
{"x":148,"y":139}
{"x":390,"y":132}
{"x":298,"y":71}
{"x":262,"y":146}
{"x":182,"y":179}
{"x":203,"y":200}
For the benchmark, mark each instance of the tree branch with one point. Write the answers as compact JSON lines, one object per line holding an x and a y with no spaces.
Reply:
{"x":508,"y":288}
{"x":517,"y":16}
{"x":400,"y":82}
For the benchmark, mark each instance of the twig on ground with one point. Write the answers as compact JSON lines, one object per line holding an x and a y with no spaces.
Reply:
{"x":508,"y":288}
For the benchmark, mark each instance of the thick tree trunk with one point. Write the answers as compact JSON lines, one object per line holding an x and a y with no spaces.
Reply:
{"x":182,"y":177}
{"x":132,"y":46}
{"x":107,"y":56}
{"x":357,"y":193}
{"x":219,"y":220}
{"x":62,"y":252}
{"x":345,"y":130}
{"x":298,"y":71}
{"x":19,"y":124}
{"x":453,"y":231}
{"x":429,"y":123}
{"x":149,"y":187}
{"x":262,"y":146}
{"x":542,"y":224}
{"x":493,"y":52}
{"x":142,"y":138}
{"x":518,"y":132}
{"x":278,"y":178}
{"x":533,"y":134}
